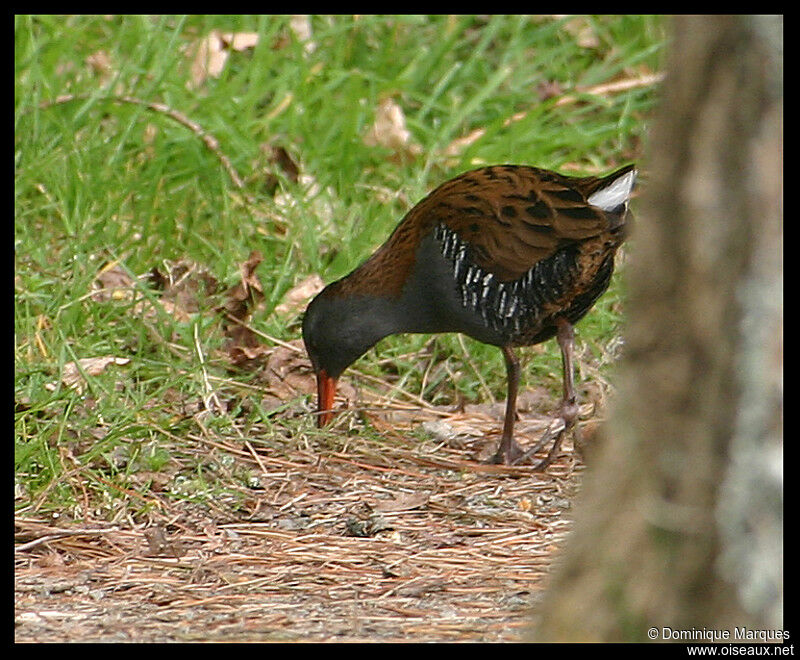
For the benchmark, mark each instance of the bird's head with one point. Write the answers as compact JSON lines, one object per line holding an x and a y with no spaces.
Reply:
{"x":337,"y":331}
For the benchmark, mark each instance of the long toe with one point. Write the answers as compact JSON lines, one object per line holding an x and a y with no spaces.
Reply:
{"x":507,"y":455}
{"x":552,"y":437}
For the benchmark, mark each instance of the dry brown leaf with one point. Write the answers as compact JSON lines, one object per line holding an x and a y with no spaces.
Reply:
{"x":278,"y":158}
{"x":208,"y":58}
{"x":210,"y":53}
{"x":547,"y":89}
{"x":300,"y":25}
{"x":389,"y":130}
{"x":185,"y":287}
{"x":288,"y":373}
{"x":240,"y":41}
{"x":459,"y":144}
{"x":581,"y":28}
{"x":300,"y":294}
{"x":246,"y":357}
{"x":159,"y":545}
{"x":242,"y":297}
{"x":285,"y":162}
{"x":401,"y":502}
{"x":173,"y":309}
{"x":149,"y":133}
{"x":72,"y":376}
{"x":112,"y":283}
{"x":100,"y":63}
{"x":243,"y":346}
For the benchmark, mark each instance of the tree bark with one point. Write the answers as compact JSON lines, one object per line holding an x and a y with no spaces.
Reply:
{"x":679,"y":523}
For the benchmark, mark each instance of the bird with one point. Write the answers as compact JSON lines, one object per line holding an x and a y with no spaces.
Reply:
{"x":510,"y":255}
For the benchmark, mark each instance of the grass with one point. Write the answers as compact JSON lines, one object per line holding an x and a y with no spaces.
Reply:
{"x":100,"y":182}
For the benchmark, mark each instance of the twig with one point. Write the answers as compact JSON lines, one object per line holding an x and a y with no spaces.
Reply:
{"x":255,"y":456}
{"x":459,"y":144}
{"x":208,"y":139}
{"x":396,"y":388}
{"x":60,"y":535}
{"x":274,"y":340}
{"x":612,"y":87}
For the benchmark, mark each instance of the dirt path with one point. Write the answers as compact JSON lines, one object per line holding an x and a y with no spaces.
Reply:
{"x":409,"y":545}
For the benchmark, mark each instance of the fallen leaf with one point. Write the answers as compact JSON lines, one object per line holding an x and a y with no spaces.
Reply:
{"x":401,"y":502}
{"x":210,"y":53}
{"x":283,"y":160}
{"x":100,"y":63}
{"x":243,"y":346}
{"x":299,"y":295}
{"x":581,"y":28}
{"x":240,"y":41}
{"x":389,"y":130}
{"x":548,"y":89}
{"x":159,"y":545}
{"x":277,"y":158}
{"x":365,"y":528}
{"x":186,"y":286}
{"x":242,"y":297}
{"x":448,"y":431}
{"x":112,"y":283}
{"x":287,"y":373}
{"x":300,"y":25}
{"x":72,"y":377}
{"x":459,"y":144}
{"x":208,"y":58}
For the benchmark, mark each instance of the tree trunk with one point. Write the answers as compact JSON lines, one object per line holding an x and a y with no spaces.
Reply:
{"x":679,"y":523}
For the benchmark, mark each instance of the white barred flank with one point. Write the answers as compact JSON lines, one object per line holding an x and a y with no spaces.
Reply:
{"x":506,"y":307}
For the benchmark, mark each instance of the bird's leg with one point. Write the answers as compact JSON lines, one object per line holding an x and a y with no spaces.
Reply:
{"x":569,"y":403}
{"x":509,"y":451}
{"x":566,"y":341}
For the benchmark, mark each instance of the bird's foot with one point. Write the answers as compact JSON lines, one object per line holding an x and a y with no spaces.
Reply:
{"x":554,"y":434}
{"x":507,"y":454}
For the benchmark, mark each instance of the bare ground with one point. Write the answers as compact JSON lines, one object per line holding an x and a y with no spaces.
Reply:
{"x":407,"y":541}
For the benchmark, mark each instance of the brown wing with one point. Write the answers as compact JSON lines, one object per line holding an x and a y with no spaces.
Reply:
{"x":514,"y":216}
